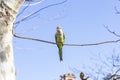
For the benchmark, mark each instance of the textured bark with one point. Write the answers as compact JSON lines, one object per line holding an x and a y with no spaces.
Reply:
{"x":8,"y":12}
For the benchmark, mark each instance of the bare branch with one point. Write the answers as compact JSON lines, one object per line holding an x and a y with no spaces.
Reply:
{"x":39,"y":11}
{"x":117,"y":71}
{"x":99,"y":43}
{"x":33,"y":39}
{"x":36,"y":3}
{"x":117,"y":12}
{"x":24,"y":9}
{"x":115,"y":74}
{"x":15,"y":26}
{"x":112,"y":31}
{"x":28,"y":0}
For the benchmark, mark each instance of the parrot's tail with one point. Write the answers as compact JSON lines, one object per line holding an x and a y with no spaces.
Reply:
{"x":60,"y":54}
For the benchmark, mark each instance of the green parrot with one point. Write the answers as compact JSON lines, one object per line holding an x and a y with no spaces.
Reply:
{"x":60,"y":38}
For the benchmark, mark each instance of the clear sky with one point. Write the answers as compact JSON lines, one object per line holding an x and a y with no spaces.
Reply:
{"x":82,"y":22}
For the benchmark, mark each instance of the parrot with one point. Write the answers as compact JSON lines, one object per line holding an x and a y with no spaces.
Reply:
{"x":60,"y":38}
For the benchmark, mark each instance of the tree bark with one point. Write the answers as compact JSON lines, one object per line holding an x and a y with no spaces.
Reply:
{"x":8,"y":12}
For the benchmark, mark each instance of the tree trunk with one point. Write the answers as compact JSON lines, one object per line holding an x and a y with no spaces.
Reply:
{"x":8,"y":12}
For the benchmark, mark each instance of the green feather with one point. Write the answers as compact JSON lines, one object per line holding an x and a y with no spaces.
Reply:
{"x":60,"y":45}
{"x":60,"y":54}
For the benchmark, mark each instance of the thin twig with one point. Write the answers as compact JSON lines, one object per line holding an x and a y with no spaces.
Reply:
{"x":23,"y":9}
{"x":112,"y":31}
{"x":36,"y":3}
{"x":117,"y":12}
{"x":92,"y":44}
{"x":113,"y":75}
{"x":15,"y":26}
{"x":117,"y":71}
{"x":39,"y":11}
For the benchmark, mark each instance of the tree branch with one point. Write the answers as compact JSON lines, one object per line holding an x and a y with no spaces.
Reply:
{"x":112,"y":31}
{"x":92,"y":44}
{"x":33,"y":4}
{"x":39,"y":11}
{"x":24,"y":9}
{"x":33,"y":39}
{"x":117,"y":12}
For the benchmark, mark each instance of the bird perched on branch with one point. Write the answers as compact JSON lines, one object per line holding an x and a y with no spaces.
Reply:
{"x":82,"y":76}
{"x":60,"y":38}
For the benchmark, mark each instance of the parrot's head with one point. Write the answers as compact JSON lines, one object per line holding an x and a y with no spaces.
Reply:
{"x":59,"y":29}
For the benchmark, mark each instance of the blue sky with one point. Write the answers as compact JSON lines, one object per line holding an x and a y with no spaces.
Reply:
{"x":82,"y":22}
